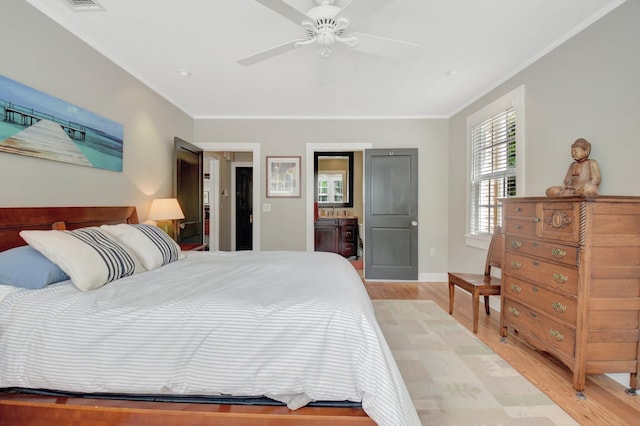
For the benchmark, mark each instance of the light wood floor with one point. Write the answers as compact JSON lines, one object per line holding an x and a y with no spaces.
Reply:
{"x":606,"y":402}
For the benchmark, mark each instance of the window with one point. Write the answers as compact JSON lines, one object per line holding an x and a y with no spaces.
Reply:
{"x":495,"y":143}
{"x":330,"y":186}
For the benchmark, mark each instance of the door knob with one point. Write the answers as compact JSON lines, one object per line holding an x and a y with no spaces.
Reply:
{"x":414,"y":223}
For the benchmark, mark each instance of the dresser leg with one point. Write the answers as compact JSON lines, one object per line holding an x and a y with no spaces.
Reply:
{"x":581,"y":395}
{"x":631,"y":392}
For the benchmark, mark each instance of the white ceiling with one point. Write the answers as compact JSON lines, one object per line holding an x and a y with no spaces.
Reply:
{"x":468,"y":48}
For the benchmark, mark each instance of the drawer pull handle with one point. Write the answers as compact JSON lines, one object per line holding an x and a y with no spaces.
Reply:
{"x":533,"y":315}
{"x":558,"y":253}
{"x":514,"y":311}
{"x":536,"y":220}
{"x":518,"y":227}
{"x":535,"y":289}
{"x":534,"y":244}
{"x":516,"y":265}
{"x":555,"y":333}
{"x":560,"y":279}
{"x":535,"y":263}
{"x":559,"y":307}
{"x":518,"y":209}
{"x":516,"y":244}
{"x":516,"y":288}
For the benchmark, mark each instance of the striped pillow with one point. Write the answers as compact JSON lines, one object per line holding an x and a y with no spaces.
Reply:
{"x":88,"y":255}
{"x":151,"y":244}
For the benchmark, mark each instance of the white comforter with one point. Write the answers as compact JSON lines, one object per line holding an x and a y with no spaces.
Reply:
{"x":293,"y":326}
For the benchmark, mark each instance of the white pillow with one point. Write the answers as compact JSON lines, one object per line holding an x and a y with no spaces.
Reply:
{"x":87,"y":255}
{"x":151,"y":244}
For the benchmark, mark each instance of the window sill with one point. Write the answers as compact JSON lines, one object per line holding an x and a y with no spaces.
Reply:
{"x":478,"y":241}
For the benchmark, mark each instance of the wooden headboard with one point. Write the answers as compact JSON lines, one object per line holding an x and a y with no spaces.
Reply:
{"x":15,"y":219}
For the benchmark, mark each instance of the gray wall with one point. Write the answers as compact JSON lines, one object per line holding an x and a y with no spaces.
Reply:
{"x":284,"y":227}
{"x":39,"y":53}
{"x":588,"y":87}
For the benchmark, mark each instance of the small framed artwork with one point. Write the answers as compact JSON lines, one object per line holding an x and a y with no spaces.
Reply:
{"x":205,"y":198}
{"x":283,"y":177}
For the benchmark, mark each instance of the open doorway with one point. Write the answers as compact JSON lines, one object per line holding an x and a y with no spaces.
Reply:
{"x":311,"y":149}
{"x":226,"y":193}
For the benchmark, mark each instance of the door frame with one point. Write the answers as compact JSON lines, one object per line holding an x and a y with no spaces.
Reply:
{"x":214,"y":204}
{"x":234,"y":165}
{"x":254,"y":148}
{"x":311,"y":148}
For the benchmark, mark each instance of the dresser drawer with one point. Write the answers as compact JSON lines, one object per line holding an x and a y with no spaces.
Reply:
{"x":549,"y":251}
{"x":557,"y":306}
{"x":348,"y":222}
{"x":348,"y":249}
{"x":520,"y":209}
{"x":348,"y":234}
{"x":524,"y":227}
{"x":560,"y":221}
{"x":547,"y":331}
{"x":562,"y":278}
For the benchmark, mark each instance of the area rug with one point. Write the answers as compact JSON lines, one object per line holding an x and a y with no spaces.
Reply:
{"x":453,"y":377}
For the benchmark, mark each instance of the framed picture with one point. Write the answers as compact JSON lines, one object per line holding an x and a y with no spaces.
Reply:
{"x":283,"y":177}
{"x":36,"y":124}
{"x":205,"y":198}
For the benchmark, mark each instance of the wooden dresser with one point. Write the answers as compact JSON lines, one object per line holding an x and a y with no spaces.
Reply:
{"x":337,"y":235}
{"x":571,"y":280}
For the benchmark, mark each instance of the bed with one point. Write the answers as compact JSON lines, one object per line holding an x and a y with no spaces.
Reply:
{"x":295,"y":327}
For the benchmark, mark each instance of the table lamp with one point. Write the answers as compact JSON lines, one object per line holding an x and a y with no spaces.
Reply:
{"x":166,"y":211}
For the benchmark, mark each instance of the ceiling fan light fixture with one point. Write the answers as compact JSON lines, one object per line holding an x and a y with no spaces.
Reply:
{"x":325,"y":26}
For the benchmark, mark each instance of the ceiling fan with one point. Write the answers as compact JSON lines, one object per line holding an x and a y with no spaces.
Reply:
{"x":326,"y":25}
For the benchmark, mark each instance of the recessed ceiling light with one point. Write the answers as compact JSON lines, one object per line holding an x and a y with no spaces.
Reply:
{"x":184,"y":73}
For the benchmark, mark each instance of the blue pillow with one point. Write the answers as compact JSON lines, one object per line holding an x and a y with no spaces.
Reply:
{"x":25,"y":267}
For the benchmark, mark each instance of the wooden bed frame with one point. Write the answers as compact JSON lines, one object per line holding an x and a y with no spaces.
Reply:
{"x":19,"y":409}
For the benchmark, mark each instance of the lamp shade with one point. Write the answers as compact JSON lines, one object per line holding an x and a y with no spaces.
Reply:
{"x":165,"y":209}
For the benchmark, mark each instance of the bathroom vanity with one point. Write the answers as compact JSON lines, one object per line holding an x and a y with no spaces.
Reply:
{"x":337,"y":234}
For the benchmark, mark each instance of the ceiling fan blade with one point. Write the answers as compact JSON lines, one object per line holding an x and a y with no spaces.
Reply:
{"x":269,"y":53}
{"x":357,"y":10}
{"x":286,"y":10}
{"x":383,"y":46}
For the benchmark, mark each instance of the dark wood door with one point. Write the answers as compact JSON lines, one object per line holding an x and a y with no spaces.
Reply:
{"x":391,"y":214}
{"x":244,"y":208}
{"x":188,"y":175}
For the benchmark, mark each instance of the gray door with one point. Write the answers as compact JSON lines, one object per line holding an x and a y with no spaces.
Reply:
{"x":188,"y":177}
{"x":391,"y":214}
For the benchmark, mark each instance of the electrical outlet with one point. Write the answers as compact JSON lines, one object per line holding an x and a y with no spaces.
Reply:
{"x":266,"y":207}
{"x":432,"y":251}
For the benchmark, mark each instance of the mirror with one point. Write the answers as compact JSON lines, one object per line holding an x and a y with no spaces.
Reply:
{"x":333,"y":176}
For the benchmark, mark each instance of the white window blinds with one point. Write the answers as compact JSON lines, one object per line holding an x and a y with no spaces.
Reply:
{"x":493,"y":170}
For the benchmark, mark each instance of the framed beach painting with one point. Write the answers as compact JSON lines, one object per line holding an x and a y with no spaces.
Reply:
{"x":283,"y":177}
{"x":38,"y":125}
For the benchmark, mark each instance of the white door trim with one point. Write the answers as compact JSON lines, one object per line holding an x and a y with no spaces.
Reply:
{"x":214,"y":204}
{"x":254,"y":148}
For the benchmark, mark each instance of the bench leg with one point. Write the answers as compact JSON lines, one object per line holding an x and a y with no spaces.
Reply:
{"x":452,"y":295}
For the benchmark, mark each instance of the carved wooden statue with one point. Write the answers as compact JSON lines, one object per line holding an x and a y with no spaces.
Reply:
{"x":583,"y":176}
